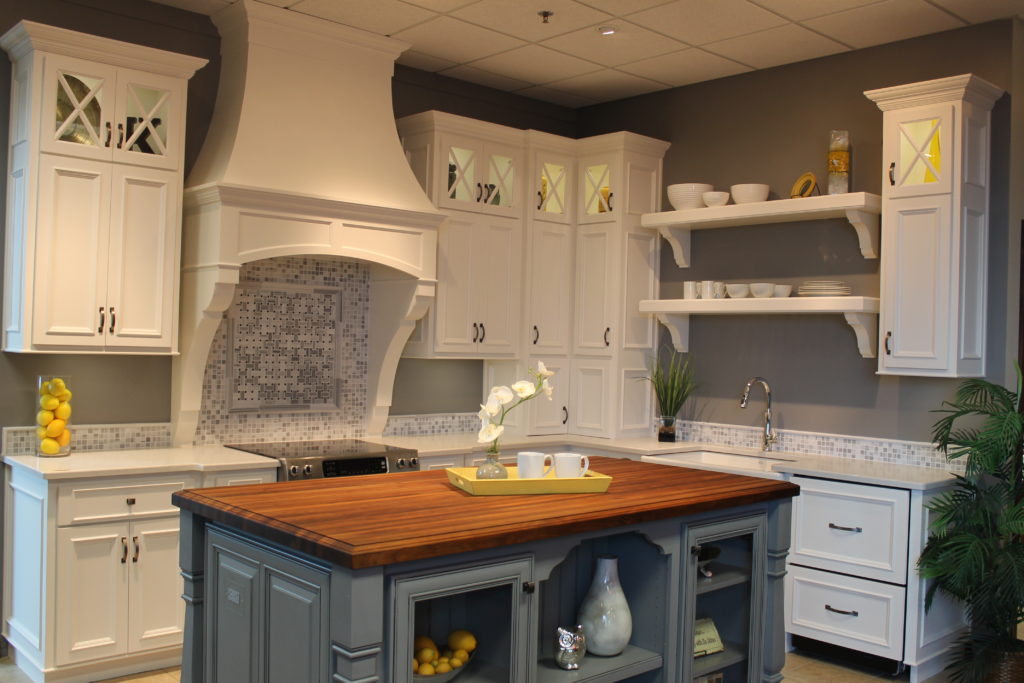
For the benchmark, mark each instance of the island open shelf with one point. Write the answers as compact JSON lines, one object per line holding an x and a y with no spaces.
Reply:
{"x":861,"y":209}
{"x":860,"y":312}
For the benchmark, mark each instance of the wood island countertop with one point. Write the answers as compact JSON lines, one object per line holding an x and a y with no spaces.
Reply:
{"x":368,"y":521}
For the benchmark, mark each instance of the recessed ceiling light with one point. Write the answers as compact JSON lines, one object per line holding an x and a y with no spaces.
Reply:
{"x":606,"y":30}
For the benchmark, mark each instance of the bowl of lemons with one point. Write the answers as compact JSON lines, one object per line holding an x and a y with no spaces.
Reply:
{"x":440,"y":664}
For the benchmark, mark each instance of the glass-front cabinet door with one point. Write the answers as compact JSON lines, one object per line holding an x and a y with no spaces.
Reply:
{"x":478,"y":176}
{"x":553,"y":187}
{"x":597,"y":191}
{"x":919,"y":155}
{"x":78,"y":108}
{"x":149,"y":116}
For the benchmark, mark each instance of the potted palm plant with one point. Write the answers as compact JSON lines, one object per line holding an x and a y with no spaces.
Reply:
{"x":975,"y":550}
{"x":673,"y":383}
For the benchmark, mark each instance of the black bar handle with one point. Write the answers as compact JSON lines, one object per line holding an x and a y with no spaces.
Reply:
{"x":110,"y":132}
{"x":476,"y":333}
{"x":479,"y":191}
{"x":565,"y":414}
{"x":607,"y":331}
{"x":610,"y":195}
{"x":113,"y":320}
{"x":103,"y":318}
{"x":849,"y":613}
{"x":540,"y":200}
{"x":120,"y":135}
{"x":536,"y":334}
{"x":854,"y":529}
{"x":483,"y":333}
{"x":124,"y":550}
{"x":888,"y":347}
{"x":892,"y":173}
{"x":135,"y":555}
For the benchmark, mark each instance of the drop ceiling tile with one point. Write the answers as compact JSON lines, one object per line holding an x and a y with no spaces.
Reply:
{"x":520,"y":18}
{"x":456,"y":41}
{"x":628,"y":44}
{"x":560,"y":97}
{"x":622,"y":8}
{"x":978,"y":12}
{"x":488,"y":78}
{"x":806,"y":9}
{"x":684,"y":67}
{"x":198,"y":6}
{"x":607,"y":85}
{"x":698,"y":22}
{"x":780,"y":45}
{"x":382,"y":17}
{"x":884,"y":22}
{"x":535,"y":64}
{"x":441,"y":5}
{"x":418,"y":60}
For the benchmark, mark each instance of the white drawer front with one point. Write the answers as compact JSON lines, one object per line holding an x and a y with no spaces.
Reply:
{"x":97,"y":500}
{"x":874,"y":612}
{"x":851,"y":528}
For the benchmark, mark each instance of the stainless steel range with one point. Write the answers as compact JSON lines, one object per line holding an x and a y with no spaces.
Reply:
{"x":334,"y":458}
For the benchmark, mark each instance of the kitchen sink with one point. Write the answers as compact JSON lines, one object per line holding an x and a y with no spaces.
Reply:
{"x":752,"y":464}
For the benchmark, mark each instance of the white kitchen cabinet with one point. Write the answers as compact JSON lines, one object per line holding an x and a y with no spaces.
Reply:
{"x":935,"y":206}
{"x":595,"y":290}
{"x":94,"y":187}
{"x":550,"y":281}
{"x":598,"y":183}
{"x":552,"y":173}
{"x":581,"y":401}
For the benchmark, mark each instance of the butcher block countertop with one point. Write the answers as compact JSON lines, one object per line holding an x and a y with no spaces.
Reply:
{"x":369,"y":521}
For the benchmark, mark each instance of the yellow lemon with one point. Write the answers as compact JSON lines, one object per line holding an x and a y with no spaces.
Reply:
{"x":426,"y":655}
{"x":63,"y":411}
{"x":455,"y":662}
{"x":63,"y":395}
{"x":55,"y":427}
{"x":41,"y":432}
{"x":420,"y":642}
{"x":461,"y":654}
{"x":462,"y":639}
{"x":64,"y":438}
{"x":57,"y":384}
{"x":443,"y":668}
{"x":48,"y":402}
{"x":44,"y":417}
{"x":49,"y":446}
{"x":426,"y":670}
{"x":415,"y":665}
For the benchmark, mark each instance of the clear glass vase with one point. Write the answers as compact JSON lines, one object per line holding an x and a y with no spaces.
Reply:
{"x":667,"y":428}
{"x":491,"y":468}
{"x":53,"y":416}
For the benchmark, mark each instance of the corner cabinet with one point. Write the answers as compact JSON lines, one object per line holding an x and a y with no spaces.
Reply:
{"x":935,"y":209}
{"x":94,"y":193}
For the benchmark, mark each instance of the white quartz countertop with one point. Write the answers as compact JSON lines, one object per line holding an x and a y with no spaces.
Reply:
{"x":845,"y":469}
{"x":141,"y":461}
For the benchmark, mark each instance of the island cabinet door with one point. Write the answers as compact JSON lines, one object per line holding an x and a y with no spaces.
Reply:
{"x":267,"y":618}
{"x":723,"y":599}
{"x":491,"y":600}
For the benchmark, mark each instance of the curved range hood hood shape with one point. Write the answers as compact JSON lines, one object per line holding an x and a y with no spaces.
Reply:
{"x":302,"y":158}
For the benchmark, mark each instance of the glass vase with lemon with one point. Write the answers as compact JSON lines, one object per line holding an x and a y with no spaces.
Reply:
{"x":53,"y":417}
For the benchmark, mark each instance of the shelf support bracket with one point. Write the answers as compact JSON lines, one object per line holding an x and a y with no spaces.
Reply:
{"x":867,"y":226}
{"x":679,"y":239}
{"x":865,"y":326}
{"x":678,"y":326}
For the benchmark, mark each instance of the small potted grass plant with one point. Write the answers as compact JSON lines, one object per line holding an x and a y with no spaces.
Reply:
{"x":673,"y":383}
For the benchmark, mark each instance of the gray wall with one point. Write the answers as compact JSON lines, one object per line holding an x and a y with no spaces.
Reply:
{"x":771,"y":126}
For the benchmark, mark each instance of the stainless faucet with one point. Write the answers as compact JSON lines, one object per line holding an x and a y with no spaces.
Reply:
{"x":769,"y":436}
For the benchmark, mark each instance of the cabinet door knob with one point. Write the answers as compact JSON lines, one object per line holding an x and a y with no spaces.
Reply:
{"x":607,"y":331}
{"x":849,"y":613}
{"x":483,"y":333}
{"x":529,"y":587}
{"x":124,"y":550}
{"x":854,"y":529}
{"x":476,"y":332}
{"x":536,"y":334}
{"x":565,"y":414}
{"x":103,"y":317}
{"x":113,"y":320}
{"x":695,"y":549}
{"x":888,"y":340}
{"x":135,"y":555}
{"x":892,"y":173}
{"x":130,"y":501}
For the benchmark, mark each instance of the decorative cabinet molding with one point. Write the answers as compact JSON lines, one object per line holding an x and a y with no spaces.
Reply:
{"x":94,"y":193}
{"x":935,"y":206}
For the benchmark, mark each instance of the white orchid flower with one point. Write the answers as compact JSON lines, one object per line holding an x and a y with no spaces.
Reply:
{"x":502,"y":394}
{"x":542,"y":370}
{"x":524,"y":389}
{"x":489,"y":432}
{"x":548,"y":389}
{"x":492,"y":406}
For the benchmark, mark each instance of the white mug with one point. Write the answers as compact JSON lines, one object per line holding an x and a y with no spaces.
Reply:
{"x":531,"y":465}
{"x":691,"y":289}
{"x":571,"y":464}
{"x":707,"y":289}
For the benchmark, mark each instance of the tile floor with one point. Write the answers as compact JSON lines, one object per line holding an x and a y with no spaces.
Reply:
{"x":800,"y":668}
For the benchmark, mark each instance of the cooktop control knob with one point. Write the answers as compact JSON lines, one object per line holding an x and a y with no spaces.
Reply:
{"x":293,"y":470}
{"x":414,"y":462}
{"x":307,"y":470}
{"x":401,"y":463}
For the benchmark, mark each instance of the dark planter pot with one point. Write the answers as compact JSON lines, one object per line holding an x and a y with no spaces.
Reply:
{"x":666,"y":428}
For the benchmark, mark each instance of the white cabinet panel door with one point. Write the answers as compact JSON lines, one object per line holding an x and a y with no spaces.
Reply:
{"x":156,"y":616}
{"x":454,"y":314}
{"x":591,"y":391}
{"x":593,"y":333}
{"x":497,"y":284}
{"x":551,"y":416}
{"x":549,"y":319}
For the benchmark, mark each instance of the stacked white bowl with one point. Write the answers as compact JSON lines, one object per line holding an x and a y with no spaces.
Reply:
{"x":688,"y":195}
{"x":746,"y":193}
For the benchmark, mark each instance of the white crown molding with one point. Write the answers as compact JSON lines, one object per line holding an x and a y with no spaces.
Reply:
{"x":963,"y":87}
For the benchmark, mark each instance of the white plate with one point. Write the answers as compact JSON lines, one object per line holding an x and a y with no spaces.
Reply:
{"x":824,"y":293}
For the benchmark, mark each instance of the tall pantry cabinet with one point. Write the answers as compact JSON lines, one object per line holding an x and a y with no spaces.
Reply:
{"x":572,"y":267}
{"x":94,"y":193}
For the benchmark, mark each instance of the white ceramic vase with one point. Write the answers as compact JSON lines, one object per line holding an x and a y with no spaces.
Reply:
{"x":604,"y":613}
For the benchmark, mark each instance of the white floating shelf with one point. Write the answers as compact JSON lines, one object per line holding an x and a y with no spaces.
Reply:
{"x":860,"y":312}
{"x":862,"y":209}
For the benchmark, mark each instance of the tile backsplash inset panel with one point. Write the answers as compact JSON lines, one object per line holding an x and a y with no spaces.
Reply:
{"x":333,"y":283}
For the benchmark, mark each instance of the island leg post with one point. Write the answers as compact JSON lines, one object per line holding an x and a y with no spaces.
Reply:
{"x":192,"y":560}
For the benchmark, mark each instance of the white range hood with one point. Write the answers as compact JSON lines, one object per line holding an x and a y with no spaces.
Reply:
{"x":302,"y":158}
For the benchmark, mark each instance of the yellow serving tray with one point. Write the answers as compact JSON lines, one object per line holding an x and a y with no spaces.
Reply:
{"x":465,"y":479}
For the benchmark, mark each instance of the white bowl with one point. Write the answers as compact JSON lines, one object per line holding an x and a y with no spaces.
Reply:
{"x":737,"y":290}
{"x":715,"y":198}
{"x":746,"y":193}
{"x":783,"y":290}
{"x":762,"y":290}
{"x":687,"y":195}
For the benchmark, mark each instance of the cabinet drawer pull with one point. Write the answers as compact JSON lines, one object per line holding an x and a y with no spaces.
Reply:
{"x":888,"y":347}
{"x":483,"y":333}
{"x":130,"y":501}
{"x":540,"y":200}
{"x":892,"y":173}
{"x":113,"y":320}
{"x":536,"y":334}
{"x":609,"y":202}
{"x":854,"y":529}
{"x":607,"y":331}
{"x":103,"y":318}
{"x":565,"y":414}
{"x":124,"y":550}
{"x":479,"y":191}
{"x":476,"y":332}
{"x":120,"y":135}
{"x":110,"y":132}
{"x":135,"y":555}
{"x":849,"y":613}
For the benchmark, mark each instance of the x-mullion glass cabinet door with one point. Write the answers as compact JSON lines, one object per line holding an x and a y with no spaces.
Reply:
{"x":78,"y":108}
{"x":553,"y":188}
{"x":919,"y":151}
{"x":149,"y":119}
{"x":478,"y":176}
